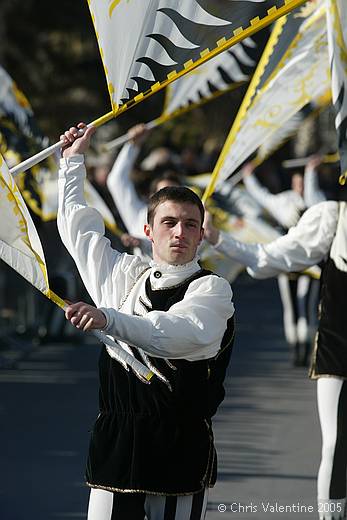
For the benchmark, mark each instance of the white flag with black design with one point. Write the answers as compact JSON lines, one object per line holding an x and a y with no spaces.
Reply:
{"x":145,"y":44}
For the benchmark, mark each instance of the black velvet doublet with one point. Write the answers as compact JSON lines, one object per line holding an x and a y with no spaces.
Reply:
{"x":148,"y":437}
{"x":330,"y":353}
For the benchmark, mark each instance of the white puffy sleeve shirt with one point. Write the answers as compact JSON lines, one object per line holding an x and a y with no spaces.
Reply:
{"x":192,"y":329}
{"x":106,"y":273}
{"x":305,"y":245}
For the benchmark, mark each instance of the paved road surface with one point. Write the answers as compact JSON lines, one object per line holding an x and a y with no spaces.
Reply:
{"x":266,"y":431}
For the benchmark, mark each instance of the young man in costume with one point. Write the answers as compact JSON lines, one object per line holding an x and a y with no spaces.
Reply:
{"x":151,"y":453}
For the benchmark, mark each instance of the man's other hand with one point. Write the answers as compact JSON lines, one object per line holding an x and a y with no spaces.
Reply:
{"x":85,"y":317}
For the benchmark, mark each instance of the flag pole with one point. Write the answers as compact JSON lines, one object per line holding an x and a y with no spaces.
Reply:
{"x":164,"y":117}
{"x":119,"y":141}
{"x":40,"y":156}
{"x":103,"y":338}
{"x":302,"y":161}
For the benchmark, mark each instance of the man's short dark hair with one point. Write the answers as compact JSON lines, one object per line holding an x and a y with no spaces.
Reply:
{"x":179,"y":194}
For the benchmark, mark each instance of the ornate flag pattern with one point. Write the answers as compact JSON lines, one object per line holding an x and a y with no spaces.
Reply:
{"x":289,"y":129}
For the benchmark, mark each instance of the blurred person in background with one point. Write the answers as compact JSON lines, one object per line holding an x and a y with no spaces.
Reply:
{"x":319,"y":236}
{"x":298,"y":291}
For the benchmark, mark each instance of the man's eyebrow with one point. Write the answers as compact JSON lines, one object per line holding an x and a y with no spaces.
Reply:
{"x":170,"y":217}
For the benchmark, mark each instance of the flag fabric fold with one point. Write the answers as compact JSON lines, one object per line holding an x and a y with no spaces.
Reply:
{"x":223,"y":73}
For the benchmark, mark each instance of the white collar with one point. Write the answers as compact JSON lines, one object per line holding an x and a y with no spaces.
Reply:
{"x":167,"y":275}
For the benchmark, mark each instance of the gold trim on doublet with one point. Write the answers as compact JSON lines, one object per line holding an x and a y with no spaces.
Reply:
{"x":312,"y":372}
{"x":157,"y":493}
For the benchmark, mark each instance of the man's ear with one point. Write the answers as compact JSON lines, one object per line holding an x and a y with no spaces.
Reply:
{"x":148,"y":231}
{"x":202,"y":233}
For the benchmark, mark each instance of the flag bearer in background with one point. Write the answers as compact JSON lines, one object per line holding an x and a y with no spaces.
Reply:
{"x":320,"y":235}
{"x":286,"y":208}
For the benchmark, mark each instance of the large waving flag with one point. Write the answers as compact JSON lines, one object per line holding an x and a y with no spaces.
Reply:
{"x":337,"y":39}
{"x":20,"y":246}
{"x":21,"y":249}
{"x":300,"y":76}
{"x":146,"y":44}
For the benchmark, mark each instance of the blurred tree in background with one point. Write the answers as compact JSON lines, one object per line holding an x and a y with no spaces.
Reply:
{"x":50,"y":50}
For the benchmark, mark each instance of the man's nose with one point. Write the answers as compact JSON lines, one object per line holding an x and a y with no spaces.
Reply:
{"x":179,"y":229}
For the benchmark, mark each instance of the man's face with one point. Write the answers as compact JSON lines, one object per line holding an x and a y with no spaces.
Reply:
{"x":176,"y":232}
